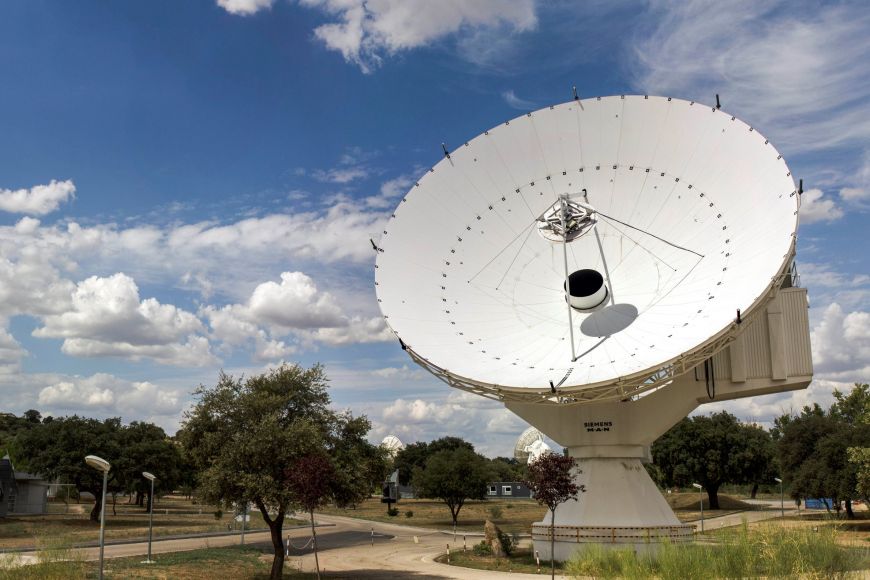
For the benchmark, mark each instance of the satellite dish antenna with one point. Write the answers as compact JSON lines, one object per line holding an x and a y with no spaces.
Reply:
{"x":525,"y":440}
{"x":392,"y":444}
{"x":603,"y":267}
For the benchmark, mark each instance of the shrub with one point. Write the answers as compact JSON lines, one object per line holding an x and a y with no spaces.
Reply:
{"x":482,"y":549}
{"x":218,"y":514}
{"x":507,"y":543}
{"x":495,"y":512}
{"x":409,"y":514}
{"x":392,"y":511}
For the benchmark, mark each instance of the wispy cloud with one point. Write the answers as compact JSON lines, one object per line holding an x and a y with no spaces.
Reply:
{"x":515,"y":102}
{"x":798,"y":70}
{"x":367,"y":32}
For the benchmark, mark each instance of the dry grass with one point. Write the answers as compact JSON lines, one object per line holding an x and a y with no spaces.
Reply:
{"x":233,"y":562}
{"x":172,"y":515}
{"x":517,"y":515}
{"x":851,"y":533}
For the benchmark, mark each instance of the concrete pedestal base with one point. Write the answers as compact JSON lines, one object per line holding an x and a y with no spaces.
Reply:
{"x":622,"y":507}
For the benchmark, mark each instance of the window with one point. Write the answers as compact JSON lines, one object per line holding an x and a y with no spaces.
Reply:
{"x":506,"y":490}
{"x":492,"y":490}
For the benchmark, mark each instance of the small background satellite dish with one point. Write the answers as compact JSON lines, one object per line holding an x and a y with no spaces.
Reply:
{"x":392,"y":444}
{"x":526,"y":447}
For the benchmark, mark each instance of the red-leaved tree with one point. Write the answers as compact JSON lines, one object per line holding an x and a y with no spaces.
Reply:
{"x":311,"y":480}
{"x":552,"y":483}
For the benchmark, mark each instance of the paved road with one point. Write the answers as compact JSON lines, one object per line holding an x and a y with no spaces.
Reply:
{"x":398,"y":552}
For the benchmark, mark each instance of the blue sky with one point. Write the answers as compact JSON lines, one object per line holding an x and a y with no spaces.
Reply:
{"x":190,"y":186}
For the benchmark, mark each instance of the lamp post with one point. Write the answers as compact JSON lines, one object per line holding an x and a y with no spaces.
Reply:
{"x":699,"y":487}
{"x":781,"y":504}
{"x":101,"y":464}
{"x":150,"y":477}
{"x":244,"y":517}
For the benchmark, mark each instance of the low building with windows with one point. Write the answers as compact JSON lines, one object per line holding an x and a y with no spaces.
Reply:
{"x":503,"y":489}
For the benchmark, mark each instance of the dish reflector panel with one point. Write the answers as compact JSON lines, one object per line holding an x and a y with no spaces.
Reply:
{"x":688,"y":213}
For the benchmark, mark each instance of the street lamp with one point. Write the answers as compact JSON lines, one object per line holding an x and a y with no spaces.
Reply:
{"x":244,"y":520}
{"x":101,"y":464}
{"x":781,"y":504}
{"x":150,"y":477}
{"x":699,"y":487}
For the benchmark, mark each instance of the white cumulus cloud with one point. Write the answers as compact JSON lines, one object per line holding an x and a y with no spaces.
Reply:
{"x":815,"y":207}
{"x":108,"y":394}
{"x":245,"y":7}
{"x":107,"y":318}
{"x":39,"y":199}
{"x":841,"y":345}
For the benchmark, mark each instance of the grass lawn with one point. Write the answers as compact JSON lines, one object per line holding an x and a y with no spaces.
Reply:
{"x":242,"y":562}
{"x":172,"y":515}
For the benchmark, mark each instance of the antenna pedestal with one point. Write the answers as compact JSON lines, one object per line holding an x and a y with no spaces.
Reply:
{"x":622,"y":506}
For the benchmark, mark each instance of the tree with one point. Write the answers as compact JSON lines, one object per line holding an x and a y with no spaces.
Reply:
{"x":415,"y":455}
{"x":244,"y":435}
{"x":57,"y":450}
{"x":508,"y":469}
{"x":860,"y":458}
{"x":712,"y":450}
{"x":311,"y":481}
{"x":814,"y":448}
{"x":551,"y":481}
{"x":453,"y":476}
{"x":145,"y":447}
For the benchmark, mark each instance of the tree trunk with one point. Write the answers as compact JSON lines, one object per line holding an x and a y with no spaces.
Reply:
{"x":95,"y":511}
{"x":114,"y":504}
{"x":148,"y":504}
{"x":139,"y":495}
{"x":552,"y":544}
{"x":276,"y":530}
{"x":713,"y":497}
{"x":754,"y":491}
{"x":314,"y":540}
{"x":849,"y":513}
{"x":98,"y":504}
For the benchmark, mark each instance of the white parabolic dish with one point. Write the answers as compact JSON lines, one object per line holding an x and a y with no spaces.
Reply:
{"x":696,"y":216}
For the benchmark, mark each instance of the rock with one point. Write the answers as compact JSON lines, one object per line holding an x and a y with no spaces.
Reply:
{"x":491,"y":533}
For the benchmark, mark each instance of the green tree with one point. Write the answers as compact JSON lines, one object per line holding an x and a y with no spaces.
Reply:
{"x":453,"y":476}
{"x":244,"y":436}
{"x":57,"y":450}
{"x":813,"y":447}
{"x":145,"y":447}
{"x":415,"y":455}
{"x":712,"y":450}
{"x":508,"y":469}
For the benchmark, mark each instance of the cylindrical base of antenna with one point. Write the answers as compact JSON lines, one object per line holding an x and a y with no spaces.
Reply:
{"x":621,"y":508}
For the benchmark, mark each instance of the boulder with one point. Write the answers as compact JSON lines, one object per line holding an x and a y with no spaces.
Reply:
{"x":491,"y":534}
